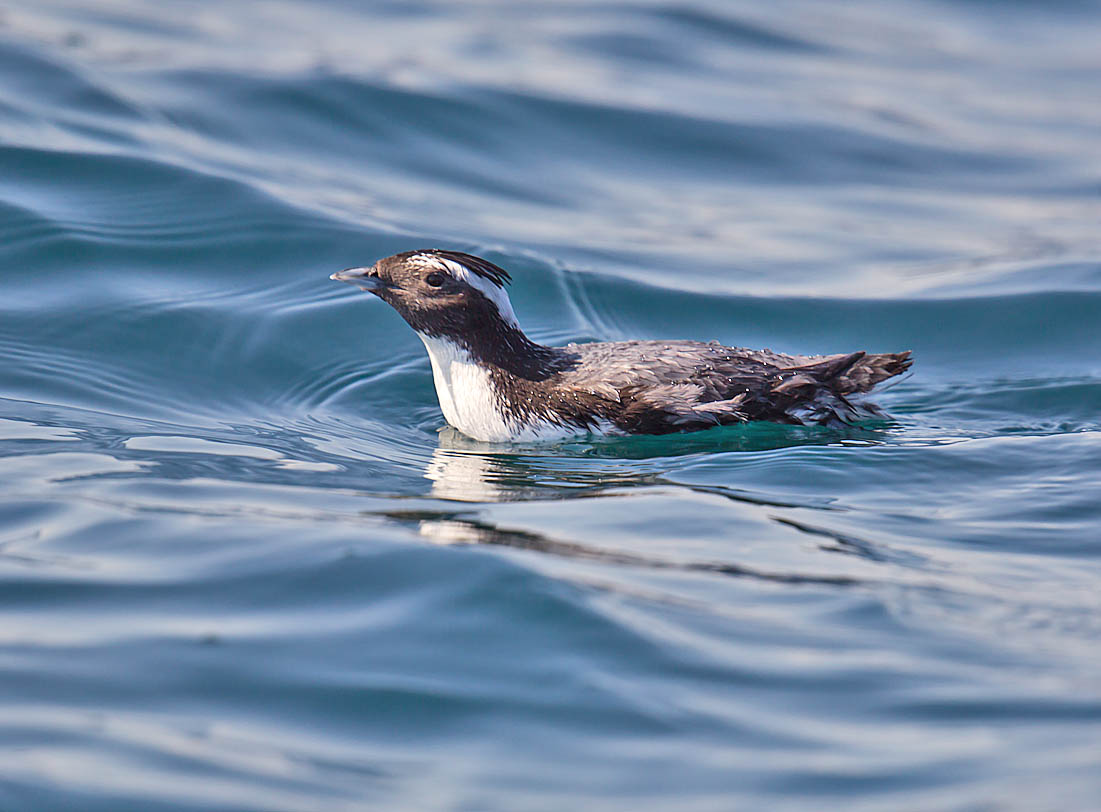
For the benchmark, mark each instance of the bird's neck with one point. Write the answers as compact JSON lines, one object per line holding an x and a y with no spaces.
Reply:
{"x":507,"y":348}
{"x":498,"y":345}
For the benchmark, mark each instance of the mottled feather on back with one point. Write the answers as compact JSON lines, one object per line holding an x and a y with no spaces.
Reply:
{"x":664,"y":386}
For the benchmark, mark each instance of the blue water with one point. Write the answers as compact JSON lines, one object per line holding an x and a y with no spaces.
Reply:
{"x":242,"y":569}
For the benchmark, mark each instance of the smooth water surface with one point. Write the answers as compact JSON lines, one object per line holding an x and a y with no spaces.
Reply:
{"x":242,"y":567}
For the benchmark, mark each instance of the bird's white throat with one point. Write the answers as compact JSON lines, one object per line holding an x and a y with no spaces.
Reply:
{"x":470,"y":402}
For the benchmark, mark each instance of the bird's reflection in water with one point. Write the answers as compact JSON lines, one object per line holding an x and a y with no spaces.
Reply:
{"x":468,"y":471}
{"x":465,"y":477}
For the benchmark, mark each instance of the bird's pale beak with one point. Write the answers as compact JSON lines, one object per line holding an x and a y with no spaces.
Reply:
{"x":363,"y":278}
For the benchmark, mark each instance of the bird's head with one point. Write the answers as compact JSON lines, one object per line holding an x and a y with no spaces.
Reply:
{"x":441,"y":294}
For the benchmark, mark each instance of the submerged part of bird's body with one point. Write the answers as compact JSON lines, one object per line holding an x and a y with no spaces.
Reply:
{"x":497,"y":385}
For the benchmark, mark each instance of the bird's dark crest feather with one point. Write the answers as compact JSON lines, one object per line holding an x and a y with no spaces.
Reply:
{"x":482,"y":267}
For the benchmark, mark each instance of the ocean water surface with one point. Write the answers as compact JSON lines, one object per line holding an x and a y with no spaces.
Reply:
{"x":243,"y":566}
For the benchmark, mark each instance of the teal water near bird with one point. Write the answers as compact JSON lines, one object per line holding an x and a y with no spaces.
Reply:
{"x":245,"y":565}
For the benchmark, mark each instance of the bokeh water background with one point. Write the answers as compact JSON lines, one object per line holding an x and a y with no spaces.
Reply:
{"x":241,"y":569}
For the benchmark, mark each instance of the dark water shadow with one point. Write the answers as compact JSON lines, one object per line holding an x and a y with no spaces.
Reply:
{"x":847,"y":544}
{"x":445,"y":527}
{"x":750,"y":437}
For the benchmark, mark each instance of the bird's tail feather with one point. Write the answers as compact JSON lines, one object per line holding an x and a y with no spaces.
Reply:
{"x":818,"y":391}
{"x":869,"y":370}
{"x":856,"y":372}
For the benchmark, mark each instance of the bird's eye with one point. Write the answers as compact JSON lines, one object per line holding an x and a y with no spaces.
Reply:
{"x":434,"y":279}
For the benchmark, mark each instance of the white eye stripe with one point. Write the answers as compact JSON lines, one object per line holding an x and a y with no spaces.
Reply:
{"x":491,"y":291}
